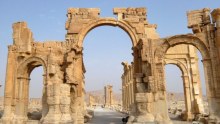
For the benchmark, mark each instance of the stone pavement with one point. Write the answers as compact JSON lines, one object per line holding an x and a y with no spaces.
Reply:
{"x":105,"y":116}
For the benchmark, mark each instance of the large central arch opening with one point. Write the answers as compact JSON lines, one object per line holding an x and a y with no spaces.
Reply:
{"x":104,"y":49}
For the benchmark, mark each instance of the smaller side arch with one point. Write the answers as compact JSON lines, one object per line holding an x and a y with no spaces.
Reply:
{"x":179,"y":64}
{"x":187,"y":87}
{"x":29,"y":64}
{"x":21,"y":86}
{"x":182,"y":39}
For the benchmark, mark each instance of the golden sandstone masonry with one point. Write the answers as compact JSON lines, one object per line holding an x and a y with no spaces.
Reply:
{"x":63,"y":92}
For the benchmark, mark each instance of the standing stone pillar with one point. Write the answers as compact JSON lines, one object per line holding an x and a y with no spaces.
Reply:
{"x":22,"y":102}
{"x":130,"y":99}
{"x":198,"y":107}
{"x":216,"y":19}
{"x":127,"y":99}
{"x":53,"y":101}
{"x":144,"y":108}
{"x":122,"y":97}
{"x":128,"y":95}
{"x":188,"y":104}
{"x":9,"y":87}
{"x":58,"y":99}
{"x":213,"y":101}
{"x":65,"y":104}
{"x":45,"y":108}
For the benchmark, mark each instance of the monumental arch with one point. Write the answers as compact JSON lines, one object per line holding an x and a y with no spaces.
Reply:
{"x":185,"y":58}
{"x":64,"y":69}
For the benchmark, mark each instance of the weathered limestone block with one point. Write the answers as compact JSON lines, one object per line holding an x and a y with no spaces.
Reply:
{"x":141,"y":87}
{"x":144,"y":115}
{"x":133,"y":15}
{"x":78,"y":17}
{"x":22,"y":37}
{"x":59,"y":104}
{"x":144,"y":97}
{"x":65,"y":110}
{"x":198,"y":17}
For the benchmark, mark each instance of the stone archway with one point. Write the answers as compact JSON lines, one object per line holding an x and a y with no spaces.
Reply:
{"x":23,"y":80}
{"x":108,"y":22}
{"x":63,"y":62}
{"x":82,"y":34}
{"x":20,"y":96}
{"x":207,"y":63}
{"x":81,"y":21}
{"x":187,"y":88}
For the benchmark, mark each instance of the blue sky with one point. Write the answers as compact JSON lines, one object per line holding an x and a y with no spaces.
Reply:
{"x":105,"y":47}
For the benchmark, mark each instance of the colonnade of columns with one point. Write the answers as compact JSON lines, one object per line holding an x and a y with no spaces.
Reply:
{"x":127,"y":87}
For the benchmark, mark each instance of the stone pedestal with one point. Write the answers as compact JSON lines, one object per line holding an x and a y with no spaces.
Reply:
{"x":214,"y":110}
{"x":58,"y":99}
{"x":144,"y":107}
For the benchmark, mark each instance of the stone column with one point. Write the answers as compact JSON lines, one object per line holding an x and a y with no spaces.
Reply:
{"x":213,"y":101}
{"x":123,"y":97}
{"x":128,"y":94}
{"x":9,"y":87}
{"x":216,"y":19}
{"x":45,"y":108}
{"x":188,"y":104}
{"x":196,"y":86}
{"x":22,"y":102}
{"x":127,"y":99}
{"x":65,"y":104}
{"x":53,"y":101}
